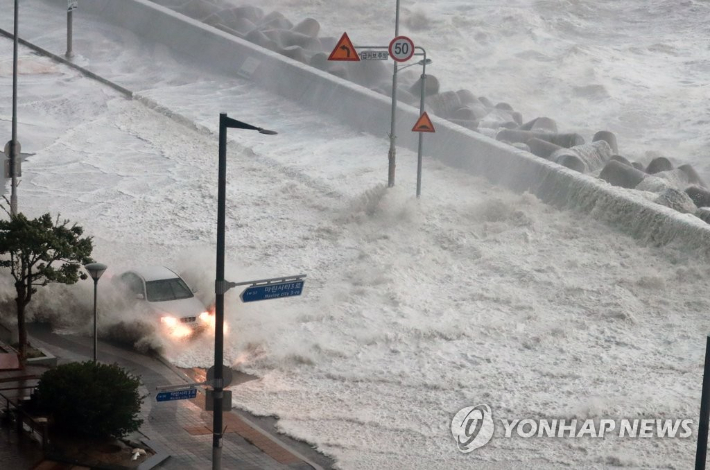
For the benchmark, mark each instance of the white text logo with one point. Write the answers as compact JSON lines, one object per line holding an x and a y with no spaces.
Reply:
{"x":473,"y":426}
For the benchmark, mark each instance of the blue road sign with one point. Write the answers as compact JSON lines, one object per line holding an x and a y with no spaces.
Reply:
{"x":272,"y":291}
{"x":177,"y":395}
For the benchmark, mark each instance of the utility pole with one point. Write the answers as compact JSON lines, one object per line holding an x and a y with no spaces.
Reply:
{"x":69,"y":53}
{"x":220,"y":289}
{"x":221,"y":285}
{"x":421,"y":134}
{"x":393,"y":137}
{"x":13,"y":142}
{"x":71,"y":6}
{"x":702,"y":447}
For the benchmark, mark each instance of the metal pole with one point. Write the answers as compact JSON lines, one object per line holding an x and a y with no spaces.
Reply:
{"x":702,"y":449}
{"x":220,"y":289}
{"x":421,"y":134}
{"x":96,"y":283}
{"x":13,"y":145}
{"x":69,"y":53}
{"x":393,"y":137}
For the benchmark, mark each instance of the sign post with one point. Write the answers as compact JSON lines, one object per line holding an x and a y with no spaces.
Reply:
{"x":220,"y":285}
{"x":392,"y":155}
{"x":422,"y":125}
{"x":71,"y":6}
{"x":14,"y":143}
{"x":702,"y":446}
{"x":277,"y":288}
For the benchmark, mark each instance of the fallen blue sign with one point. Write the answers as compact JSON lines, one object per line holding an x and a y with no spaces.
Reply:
{"x":177,"y":395}
{"x":272,"y":291}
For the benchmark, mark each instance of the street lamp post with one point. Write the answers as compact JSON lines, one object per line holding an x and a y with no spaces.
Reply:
{"x":95,"y":271}
{"x":70,"y":14}
{"x":221,"y":286}
{"x":393,"y":137}
{"x":71,"y":6}
{"x":13,"y":142}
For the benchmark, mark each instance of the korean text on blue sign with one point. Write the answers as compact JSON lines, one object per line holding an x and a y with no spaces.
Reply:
{"x":177,"y":395}
{"x":272,"y":291}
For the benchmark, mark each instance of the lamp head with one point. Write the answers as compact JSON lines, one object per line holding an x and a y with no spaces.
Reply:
{"x":95,"y":270}
{"x":228,"y":122}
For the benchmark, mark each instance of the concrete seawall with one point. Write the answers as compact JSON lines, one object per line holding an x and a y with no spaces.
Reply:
{"x":369,"y":111}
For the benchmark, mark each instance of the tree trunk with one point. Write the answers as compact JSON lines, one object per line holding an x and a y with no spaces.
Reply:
{"x":21,"y":328}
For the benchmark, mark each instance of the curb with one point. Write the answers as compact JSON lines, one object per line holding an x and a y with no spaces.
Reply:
{"x":126,"y":92}
{"x":154,"y":461}
{"x":241,"y":416}
{"x":49,"y":359}
{"x":159,"y":457}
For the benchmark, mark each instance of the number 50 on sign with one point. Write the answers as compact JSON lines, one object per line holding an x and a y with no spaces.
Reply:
{"x":401,"y":48}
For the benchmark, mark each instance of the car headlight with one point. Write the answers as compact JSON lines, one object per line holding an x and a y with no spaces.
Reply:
{"x":170,"y":321}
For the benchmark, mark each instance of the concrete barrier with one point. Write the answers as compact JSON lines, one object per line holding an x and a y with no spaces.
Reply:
{"x":369,"y":111}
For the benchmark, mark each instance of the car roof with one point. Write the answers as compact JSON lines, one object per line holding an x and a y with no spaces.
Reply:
{"x":154,"y":273}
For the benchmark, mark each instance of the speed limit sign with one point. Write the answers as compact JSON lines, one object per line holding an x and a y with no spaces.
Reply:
{"x":401,"y":48}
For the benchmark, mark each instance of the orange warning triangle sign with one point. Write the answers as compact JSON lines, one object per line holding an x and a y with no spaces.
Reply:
{"x":423,"y":124}
{"x":344,"y":50}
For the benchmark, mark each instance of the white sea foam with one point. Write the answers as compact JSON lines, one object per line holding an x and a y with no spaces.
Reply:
{"x":412,"y":309}
{"x":637,"y":68}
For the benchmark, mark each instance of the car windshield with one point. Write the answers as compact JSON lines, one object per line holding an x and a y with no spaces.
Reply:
{"x":167,"y":289}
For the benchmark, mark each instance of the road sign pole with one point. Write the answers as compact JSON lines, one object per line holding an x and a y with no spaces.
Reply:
{"x":421,"y":134}
{"x":70,"y":53}
{"x":219,"y":296}
{"x":220,"y":286}
{"x":393,"y":137}
{"x":392,"y":156}
{"x":13,"y":146}
{"x":96,"y":286}
{"x":702,"y":446}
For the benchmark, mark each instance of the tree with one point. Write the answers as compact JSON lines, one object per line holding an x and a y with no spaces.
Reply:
{"x":90,"y":399}
{"x":40,"y":251}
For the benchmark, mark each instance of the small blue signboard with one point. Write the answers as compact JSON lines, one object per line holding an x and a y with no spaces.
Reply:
{"x":177,"y":395}
{"x":272,"y":291}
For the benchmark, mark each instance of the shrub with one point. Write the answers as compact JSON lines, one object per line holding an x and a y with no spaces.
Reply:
{"x":91,"y":399}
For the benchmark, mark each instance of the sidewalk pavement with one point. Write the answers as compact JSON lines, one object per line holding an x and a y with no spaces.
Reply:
{"x":17,"y":452}
{"x":181,"y":428}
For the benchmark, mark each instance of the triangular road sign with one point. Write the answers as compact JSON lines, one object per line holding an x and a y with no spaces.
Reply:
{"x":423,"y":124}
{"x":344,"y":50}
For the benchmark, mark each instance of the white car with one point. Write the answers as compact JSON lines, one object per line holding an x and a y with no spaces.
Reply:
{"x":168,"y":297}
